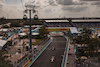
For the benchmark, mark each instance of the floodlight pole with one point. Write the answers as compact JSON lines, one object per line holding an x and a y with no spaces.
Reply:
{"x":30,"y":6}
{"x":30,"y":33}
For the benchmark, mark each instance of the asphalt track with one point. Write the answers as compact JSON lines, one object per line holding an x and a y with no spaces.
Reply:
{"x":43,"y":60}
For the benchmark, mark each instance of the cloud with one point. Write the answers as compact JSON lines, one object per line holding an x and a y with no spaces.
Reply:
{"x":51,"y":8}
{"x":97,"y":3}
{"x":48,"y":11}
{"x":1,"y":7}
{"x":65,"y":2}
{"x":75,"y":8}
{"x":13,"y":10}
{"x":52,"y":3}
{"x":90,"y":0}
{"x":12,"y":1}
{"x":70,"y":2}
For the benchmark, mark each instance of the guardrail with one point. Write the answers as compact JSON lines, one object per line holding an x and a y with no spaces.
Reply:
{"x":30,"y":57}
{"x":65,"y":53}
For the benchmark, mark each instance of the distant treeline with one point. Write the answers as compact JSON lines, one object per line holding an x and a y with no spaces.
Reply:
{"x":20,"y":22}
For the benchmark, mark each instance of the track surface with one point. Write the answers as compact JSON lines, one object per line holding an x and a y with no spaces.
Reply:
{"x":59,"y":43}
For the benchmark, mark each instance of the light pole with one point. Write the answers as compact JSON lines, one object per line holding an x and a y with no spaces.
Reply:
{"x":32,"y":9}
{"x":30,"y":33}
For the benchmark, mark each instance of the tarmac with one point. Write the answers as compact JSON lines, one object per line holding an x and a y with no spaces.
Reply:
{"x":71,"y":56}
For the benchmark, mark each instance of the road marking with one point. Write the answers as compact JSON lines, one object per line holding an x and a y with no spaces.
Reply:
{"x":27,"y":63}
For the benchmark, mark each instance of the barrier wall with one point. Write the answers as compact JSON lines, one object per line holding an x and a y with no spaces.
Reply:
{"x":64,"y":61}
{"x":32,"y":61}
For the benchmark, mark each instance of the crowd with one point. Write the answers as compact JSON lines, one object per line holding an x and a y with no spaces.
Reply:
{"x":75,"y":24}
{"x":86,"y":24}
{"x":60,"y":24}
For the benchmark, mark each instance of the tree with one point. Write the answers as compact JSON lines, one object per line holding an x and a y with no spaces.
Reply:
{"x":3,"y":62}
{"x":91,"y":43}
{"x":87,"y":31}
{"x":6,"y":26}
{"x":43,"y":31}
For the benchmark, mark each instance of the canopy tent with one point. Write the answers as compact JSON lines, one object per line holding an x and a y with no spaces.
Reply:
{"x":2,"y":43}
{"x":4,"y":30}
{"x":74,"y":30}
{"x":1,"y":37}
{"x":98,"y":34}
{"x":83,"y":57}
{"x":35,"y":33}
{"x":22,"y":34}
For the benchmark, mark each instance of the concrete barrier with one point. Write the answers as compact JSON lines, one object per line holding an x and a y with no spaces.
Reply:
{"x":40,"y":52}
{"x":64,"y":61}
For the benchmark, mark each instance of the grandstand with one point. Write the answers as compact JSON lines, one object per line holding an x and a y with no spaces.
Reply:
{"x":75,"y":23}
{"x":57,"y":23}
{"x":86,"y":23}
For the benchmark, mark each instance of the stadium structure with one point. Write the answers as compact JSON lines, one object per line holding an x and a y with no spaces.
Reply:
{"x":75,"y":26}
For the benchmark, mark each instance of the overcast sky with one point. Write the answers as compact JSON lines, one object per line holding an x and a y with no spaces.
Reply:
{"x":51,"y":8}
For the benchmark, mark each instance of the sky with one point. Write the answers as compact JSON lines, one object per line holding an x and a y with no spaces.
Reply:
{"x":13,"y":9}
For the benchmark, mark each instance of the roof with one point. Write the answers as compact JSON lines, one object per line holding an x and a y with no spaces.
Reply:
{"x":85,"y":20}
{"x":33,"y":26}
{"x":56,"y":21}
{"x":3,"y":29}
{"x":1,"y":37}
{"x":73,"y":30}
{"x":2,"y":42}
{"x":99,"y":34}
{"x":22,"y":34}
{"x":35,"y":33}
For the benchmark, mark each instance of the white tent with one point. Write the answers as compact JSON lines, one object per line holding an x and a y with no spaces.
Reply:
{"x":2,"y":43}
{"x":74,"y":30}
{"x":4,"y":30}
{"x":99,"y":34}
{"x":35,"y":33}
{"x":1,"y":37}
{"x":22,"y":34}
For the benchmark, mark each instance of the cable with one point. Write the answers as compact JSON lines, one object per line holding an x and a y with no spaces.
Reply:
{"x":22,"y":4}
